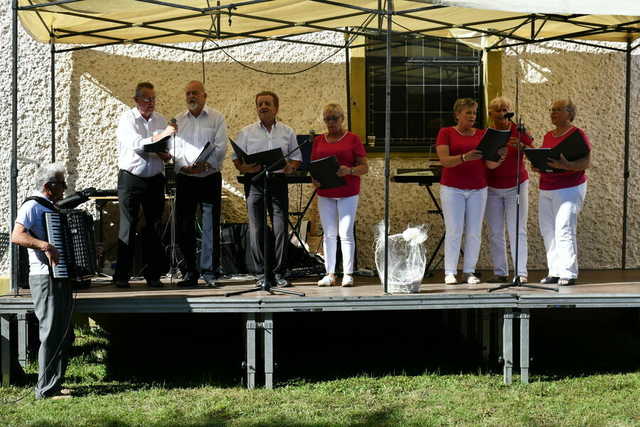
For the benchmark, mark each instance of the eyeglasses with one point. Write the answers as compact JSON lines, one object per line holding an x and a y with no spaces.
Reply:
{"x":147,"y":100}
{"x":61,"y":183}
{"x":332,"y":118}
{"x":557,"y":110}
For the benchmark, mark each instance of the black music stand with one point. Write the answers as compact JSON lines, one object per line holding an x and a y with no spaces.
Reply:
{"x":516,"y":283}
{"x":267,"y":280}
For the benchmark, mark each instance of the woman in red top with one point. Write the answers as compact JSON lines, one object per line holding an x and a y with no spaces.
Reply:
{"x":338,"y":205}
{"x":463,"y":190}
{"x":501,"y":197}
{"x":561,"y":198}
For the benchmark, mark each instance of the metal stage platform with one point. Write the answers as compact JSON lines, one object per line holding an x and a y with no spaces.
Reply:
{"x":596,"y":289}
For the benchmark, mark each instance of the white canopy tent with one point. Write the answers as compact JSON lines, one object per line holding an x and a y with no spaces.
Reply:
{"x":496,"y":24}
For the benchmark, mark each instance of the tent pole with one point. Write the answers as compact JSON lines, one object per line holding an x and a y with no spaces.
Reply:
{"x":627,"y":106}
{"x":53,"y":100}
{"x":348,"y":78}
{"x":13,"y":191}
{"x":387,"y":143}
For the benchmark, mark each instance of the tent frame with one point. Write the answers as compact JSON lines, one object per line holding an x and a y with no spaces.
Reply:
{"x":384,"y":11}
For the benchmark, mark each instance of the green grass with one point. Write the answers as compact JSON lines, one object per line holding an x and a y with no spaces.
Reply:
{"x":391,"y":400}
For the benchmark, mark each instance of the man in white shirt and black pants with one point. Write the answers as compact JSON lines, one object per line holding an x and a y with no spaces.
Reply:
{"x":52,"y":298}
{"x":141,"y":183}
{"x":199,"y":183}
{"x":267,"y":134}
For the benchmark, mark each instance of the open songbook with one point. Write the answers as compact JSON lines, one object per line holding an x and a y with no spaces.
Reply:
{"x":158,"y":146}
{"x":492,"y":141}
{"x":273,"y":158}
{"x":573,"y":147}
{"x":325,"y":171}
{"x":206,"y":151}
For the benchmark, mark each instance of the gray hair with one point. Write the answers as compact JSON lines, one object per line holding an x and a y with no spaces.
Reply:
{"x":48,"y":173}
{"x":142,"y":85}
{"x":569,"y":107}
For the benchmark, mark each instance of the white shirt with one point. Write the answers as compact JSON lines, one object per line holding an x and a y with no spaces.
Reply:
{"x":133,"y":133}
{"x":194,"y":133}
{"x":31,"y":216}
{"x":255,"y":138}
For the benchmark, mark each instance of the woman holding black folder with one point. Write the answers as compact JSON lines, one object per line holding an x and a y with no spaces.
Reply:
{"x":338,"y":205}
{"x":463,"y":190}
{"x":562,"y":196}
{"x":501,"y":196}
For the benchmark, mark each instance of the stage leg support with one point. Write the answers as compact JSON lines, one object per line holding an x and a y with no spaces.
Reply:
{"x":507,"y":344}
{"x":524,"y":345}
{"x":5,"y":348}
{"x":251,"y":350}
{"x":268,"y":350}
{"x":23,"y":337}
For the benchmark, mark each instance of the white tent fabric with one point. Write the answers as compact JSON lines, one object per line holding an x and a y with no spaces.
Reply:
{"x":173,"y":21}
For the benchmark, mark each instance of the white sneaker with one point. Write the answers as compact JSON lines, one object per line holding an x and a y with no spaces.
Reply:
{"x":347,"y":281}
{"x":450,"y":279}
{"x":328,"y":280}
{"x":472,"y":279}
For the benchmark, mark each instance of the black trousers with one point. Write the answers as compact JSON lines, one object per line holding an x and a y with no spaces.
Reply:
{"x":206,"y":193}
{"x":278,"y":207}
{"x":134,"y":193}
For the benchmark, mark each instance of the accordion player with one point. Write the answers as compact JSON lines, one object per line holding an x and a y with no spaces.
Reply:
{"x":71,"y":232}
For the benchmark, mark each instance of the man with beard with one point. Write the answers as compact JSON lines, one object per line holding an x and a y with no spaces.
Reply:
{"x":199,"y":149}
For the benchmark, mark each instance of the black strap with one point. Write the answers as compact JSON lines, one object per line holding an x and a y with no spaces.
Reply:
{"x":44,"y":202}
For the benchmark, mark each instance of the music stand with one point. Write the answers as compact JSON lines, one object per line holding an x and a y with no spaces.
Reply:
{"x":267,"y":280}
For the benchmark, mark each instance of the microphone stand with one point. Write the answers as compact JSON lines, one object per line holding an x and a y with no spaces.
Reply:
{"x":268,"y":279}
{"x":516,"y":279}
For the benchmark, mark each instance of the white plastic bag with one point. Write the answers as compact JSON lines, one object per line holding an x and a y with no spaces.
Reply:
{"x":407,"y":258}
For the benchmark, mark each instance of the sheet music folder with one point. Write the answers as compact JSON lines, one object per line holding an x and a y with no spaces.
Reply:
{"x":324,"y":170}
{"x":573,"y":147}
{"x":158,"y":146}
{"x":492,"y":141}
{"x":206,"y":151}
{"x":273,"y":157}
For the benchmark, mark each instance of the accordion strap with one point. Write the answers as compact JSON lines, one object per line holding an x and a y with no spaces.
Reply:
{"x":44,"y":202}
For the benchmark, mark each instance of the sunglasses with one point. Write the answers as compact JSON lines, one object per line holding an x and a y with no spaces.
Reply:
{"x":332,"y":118}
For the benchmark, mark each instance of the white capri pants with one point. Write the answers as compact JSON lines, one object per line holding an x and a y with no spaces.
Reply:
{"x":558,"y":217}
{"x":501,"y":210}
{"x":337,"y":216}
{"x":463,"y":213}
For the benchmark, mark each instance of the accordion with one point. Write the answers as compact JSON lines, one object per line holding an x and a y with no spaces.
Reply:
{"x":71,"y":232}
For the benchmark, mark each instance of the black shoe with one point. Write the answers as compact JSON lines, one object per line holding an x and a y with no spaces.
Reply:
{"x":122,"y":284}
{"x":154,"y":283}
{"x":281,"y":282}
{"x":550,"y":280}
{"x":189,"y":281}
{"x":498,"y":279}
{"x":566,"y":282}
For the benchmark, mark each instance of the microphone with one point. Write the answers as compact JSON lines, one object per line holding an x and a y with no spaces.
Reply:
{"x":508,"y":116}
{"x":173,"y":121}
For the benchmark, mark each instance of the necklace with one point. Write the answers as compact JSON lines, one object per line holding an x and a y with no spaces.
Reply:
{"x":326,"y":137}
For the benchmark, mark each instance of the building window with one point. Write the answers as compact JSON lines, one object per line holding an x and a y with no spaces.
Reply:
{"x":427,"y":76}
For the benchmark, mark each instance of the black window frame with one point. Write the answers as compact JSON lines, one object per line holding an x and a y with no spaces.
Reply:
{"x":422,"y":118}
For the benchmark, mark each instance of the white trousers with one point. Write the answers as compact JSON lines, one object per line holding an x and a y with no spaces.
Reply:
{"x":337,"y":216}
{"x":558,"y":217}
{"x":463,"y":213}
{"x":501,"y":210}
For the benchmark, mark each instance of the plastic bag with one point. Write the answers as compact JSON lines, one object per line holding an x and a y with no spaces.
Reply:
{"x":407,"y":258}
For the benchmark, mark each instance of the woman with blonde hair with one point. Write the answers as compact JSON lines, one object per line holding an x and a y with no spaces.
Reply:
{"x":501,"y":197}
{"x":463,"y":190}
{"x":338,"y":205}
{"x":562,"y":195}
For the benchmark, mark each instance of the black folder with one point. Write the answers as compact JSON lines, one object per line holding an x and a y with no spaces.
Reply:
{"x":273,"y":158}
{"x":492,"y":141}
{"x":158,"y":146}
{"x":324,"y":171}
{"x":573,"y":147}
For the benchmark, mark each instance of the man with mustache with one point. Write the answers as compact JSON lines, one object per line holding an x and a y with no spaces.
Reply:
{"x":199,"y":184}
{"x":267,"y":134}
